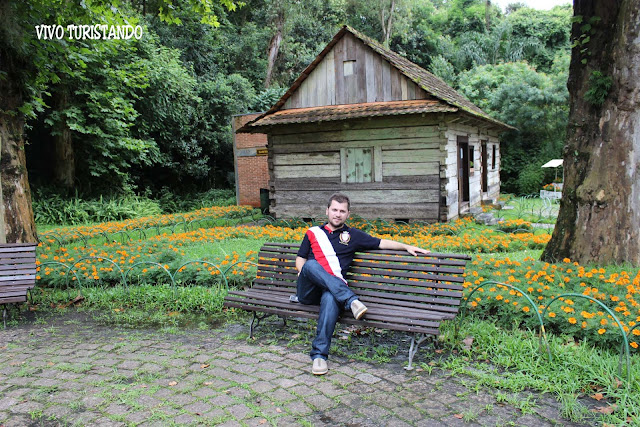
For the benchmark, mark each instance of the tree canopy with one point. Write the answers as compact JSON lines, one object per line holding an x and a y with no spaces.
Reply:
{"x":150,"y":113}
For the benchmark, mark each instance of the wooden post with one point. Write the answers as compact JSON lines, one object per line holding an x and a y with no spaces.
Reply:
{"x":3,"y":236}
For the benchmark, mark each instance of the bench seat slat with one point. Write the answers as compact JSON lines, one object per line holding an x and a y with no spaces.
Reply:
{"x":312,"y":315}
{"x":397,"y":299}
{"x":379,"y":287}
{"x":13,"y":299}
{"x":290,"y":275}
{"x":381,"y":303}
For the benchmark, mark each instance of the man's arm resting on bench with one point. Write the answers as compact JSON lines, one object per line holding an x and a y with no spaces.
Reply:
{"x":391,"y":244}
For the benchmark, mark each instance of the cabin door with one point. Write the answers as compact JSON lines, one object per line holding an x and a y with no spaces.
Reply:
{"x":463,"y":173}
{"x":485,"y":173}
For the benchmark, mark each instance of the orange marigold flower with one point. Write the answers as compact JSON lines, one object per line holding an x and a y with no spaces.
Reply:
{"x":602,"y":331}
{"x":552,"y":314}
{"x":572,"y":320}
{"x":633,"y":344}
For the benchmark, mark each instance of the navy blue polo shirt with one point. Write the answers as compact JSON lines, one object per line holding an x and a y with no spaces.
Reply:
{"x":345,"y":241}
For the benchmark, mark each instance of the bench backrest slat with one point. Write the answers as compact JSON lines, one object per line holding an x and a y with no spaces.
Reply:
{"x":17,"y":268}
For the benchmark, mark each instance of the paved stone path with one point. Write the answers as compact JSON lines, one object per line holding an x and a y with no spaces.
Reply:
{"x":68,"y":370}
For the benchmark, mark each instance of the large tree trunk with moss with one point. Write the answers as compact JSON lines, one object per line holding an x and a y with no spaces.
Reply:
{"x":18,"y":212}
{"x":64,"y":159}
{"x":19,"y":225}
{"x":599,"y":218}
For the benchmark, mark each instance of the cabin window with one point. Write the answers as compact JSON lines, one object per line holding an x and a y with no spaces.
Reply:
{"x":357,"y":165}
{"x":493,"y":157}
{"x":348,"y":67}
{"x":471,"y":160}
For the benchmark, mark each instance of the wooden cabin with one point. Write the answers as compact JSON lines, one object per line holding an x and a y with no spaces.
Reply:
{"x":365,"y":121}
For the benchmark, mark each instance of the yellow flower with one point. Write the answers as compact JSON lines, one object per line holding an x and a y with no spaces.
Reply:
{"x":602,"y":331}
{"x":572,"y":320}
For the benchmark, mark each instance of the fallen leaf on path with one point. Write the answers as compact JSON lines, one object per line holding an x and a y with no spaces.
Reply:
{"x":597,"y":396}
{"x":278,"y":410}
{"x":467,"y":343}
{"x":172,"y":383}
{"x":173,"y":313}
{"x":459,"y":416}
{"x":143,"y":386}
{"x":439,"y":351}
{"x":50,"y":364}
{"x":204,"y":365}
{"x":263,"y":421}
{"x":606,"y":409}
{"x":207,"y":383}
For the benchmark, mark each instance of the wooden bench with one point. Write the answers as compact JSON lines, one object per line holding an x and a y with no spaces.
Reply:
{"x":17,"y":273}
{"x":402,"y":292}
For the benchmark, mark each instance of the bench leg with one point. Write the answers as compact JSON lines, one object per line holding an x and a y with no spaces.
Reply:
{"x":4,"y":315}
{"x":414,"y":348}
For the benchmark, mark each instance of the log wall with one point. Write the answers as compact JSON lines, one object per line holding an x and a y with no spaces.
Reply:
{"x":305,"y":168}
{"x":449,"y":168}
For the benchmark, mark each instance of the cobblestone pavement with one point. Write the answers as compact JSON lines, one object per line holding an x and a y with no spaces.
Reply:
{"x":69,"y":370}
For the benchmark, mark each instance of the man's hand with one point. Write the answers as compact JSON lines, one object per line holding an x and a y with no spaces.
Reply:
{"x":414,"y":250}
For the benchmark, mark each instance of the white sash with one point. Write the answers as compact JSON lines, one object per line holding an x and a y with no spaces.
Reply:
{"x":327,"y":258}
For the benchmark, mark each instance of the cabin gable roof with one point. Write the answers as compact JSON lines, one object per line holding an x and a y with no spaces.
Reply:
{"x":435,"y":94}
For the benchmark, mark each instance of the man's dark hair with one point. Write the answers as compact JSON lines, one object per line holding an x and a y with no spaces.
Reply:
{"x":340,"y":198}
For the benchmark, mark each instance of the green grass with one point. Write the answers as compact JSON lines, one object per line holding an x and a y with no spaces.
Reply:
{"x":532,"y":209}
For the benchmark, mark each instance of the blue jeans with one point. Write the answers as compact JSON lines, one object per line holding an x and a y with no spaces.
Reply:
{"x":317,"y":287}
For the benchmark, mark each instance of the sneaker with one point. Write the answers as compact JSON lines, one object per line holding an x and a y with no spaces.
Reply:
{"x":358,"y":309}
{"x":319,"y":366}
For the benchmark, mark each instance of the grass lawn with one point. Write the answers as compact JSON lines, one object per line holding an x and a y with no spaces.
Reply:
{"x":531,"y":209}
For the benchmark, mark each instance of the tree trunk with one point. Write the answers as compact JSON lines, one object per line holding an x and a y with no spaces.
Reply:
{"x":386,"y":23}
{"x":600,"y":208}
{"x":274,"y":47}
{"x":3,"y":234}
{"x":16,"y":193}
{"x":19,"y":226}
{"x":64,"y":159}
{"x":487,"y":15}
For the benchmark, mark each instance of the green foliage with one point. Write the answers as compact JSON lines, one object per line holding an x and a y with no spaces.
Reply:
{"x":51,"y":208}
{"x":54,"y":209}
{"x":156,"y":112}
{"x":531,"y":178}
{"x":173,"y":203}
{"x":599,"y":86}
{"x":534,"y":103}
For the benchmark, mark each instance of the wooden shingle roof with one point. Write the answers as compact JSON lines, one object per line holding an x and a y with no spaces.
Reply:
{"x":434,"y":86}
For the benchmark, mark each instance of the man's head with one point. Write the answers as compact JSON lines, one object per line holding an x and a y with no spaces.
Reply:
{"x":338,"y":210}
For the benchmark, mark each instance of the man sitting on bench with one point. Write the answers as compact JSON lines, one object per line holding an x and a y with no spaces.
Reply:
{"x":323,"y":259}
